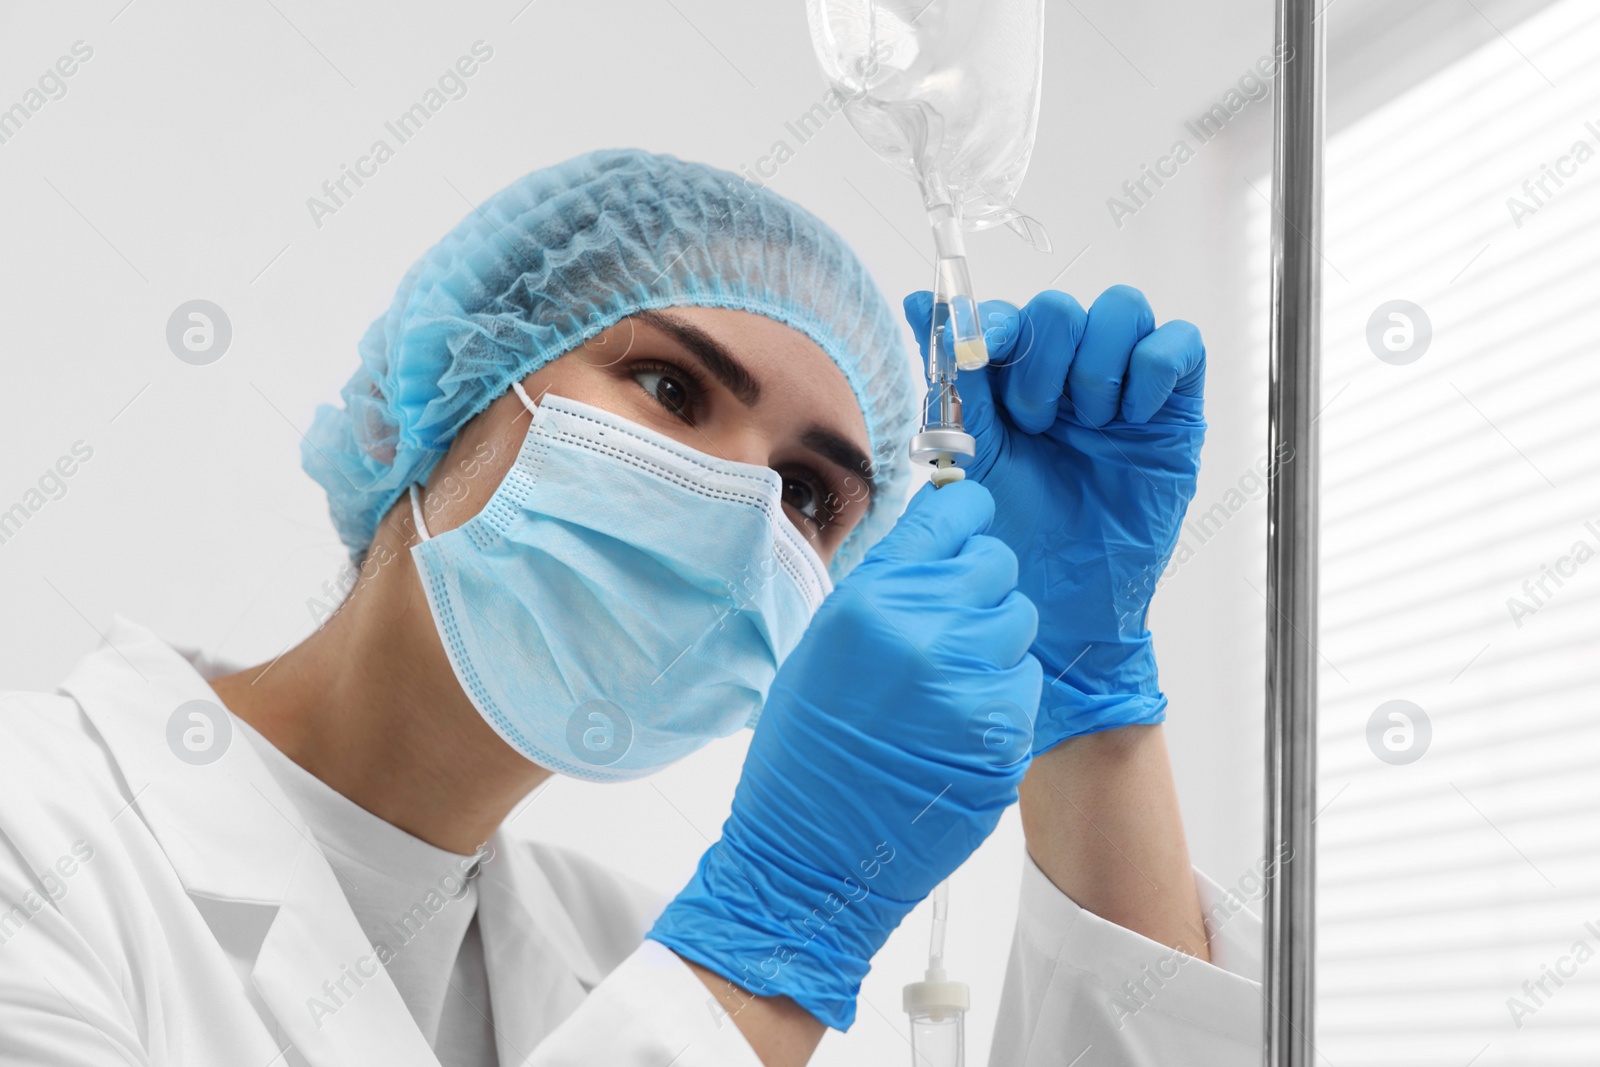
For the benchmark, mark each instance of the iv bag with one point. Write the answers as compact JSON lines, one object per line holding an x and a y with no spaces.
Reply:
{"x":945,"y":91}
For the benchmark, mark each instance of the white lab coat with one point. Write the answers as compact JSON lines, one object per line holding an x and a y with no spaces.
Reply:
{"x":157,"y":912}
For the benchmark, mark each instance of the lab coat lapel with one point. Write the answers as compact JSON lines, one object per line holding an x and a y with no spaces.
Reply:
{"x":233,"y":836}
{"x":539,"y":971}
{"x":325,"y":983}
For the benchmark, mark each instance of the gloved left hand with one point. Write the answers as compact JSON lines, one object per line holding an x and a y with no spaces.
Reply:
{"x":1088,"y":429}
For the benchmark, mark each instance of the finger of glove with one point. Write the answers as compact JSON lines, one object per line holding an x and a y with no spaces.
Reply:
{"x":918,"y":307}
{"x":936,"y":524}
{"x":982,"y":575}
{"x":1118,"y":321}
{"x":1170,"y":360}
{"x":986,"y":640}
{"x":977,"y":414}
{"x":1013,"y":626}
{"x":1047,"y":334}
{"x":1000,"y":321}
{"x":1012,"y":700}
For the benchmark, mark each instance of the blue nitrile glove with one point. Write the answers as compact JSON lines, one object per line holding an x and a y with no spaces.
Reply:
{"x":894,"y":736}
{"x":1092,"y":454}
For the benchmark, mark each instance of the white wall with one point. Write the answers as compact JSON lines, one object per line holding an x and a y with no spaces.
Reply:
{"x":178,"y":166}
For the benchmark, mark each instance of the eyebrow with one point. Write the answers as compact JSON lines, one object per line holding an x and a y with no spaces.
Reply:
{"x":831,"y":446}
{"x":711,"y":353}
{"x":723,"y":366}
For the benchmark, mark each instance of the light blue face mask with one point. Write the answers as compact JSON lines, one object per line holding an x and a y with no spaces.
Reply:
{"x":622,"y":598}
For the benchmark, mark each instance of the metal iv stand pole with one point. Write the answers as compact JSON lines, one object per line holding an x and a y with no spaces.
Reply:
{"x":1291,"y":732}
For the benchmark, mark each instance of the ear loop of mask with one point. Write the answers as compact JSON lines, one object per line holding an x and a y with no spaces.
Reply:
{"x":416,"y":513}
{"x":416,"y":498}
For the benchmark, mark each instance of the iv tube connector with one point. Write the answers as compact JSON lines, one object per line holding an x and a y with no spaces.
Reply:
{"x":955,"y":342}
{"x":938,"y":1006}
{"x":944,"y":450}
{"x":943,"y":442}
{"x":955,"y":306}
{"x":938,"y":1011}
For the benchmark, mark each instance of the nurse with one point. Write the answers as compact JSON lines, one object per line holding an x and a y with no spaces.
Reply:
{"x":622,"y":470}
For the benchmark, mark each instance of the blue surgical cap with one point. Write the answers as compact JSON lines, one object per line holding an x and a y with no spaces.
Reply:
{"x":560,"y":255}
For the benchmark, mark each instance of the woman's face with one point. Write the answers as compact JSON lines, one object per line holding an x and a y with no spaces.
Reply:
{"x":732,"y":384}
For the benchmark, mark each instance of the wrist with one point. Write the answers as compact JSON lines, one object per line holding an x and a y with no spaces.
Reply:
{"x":810,"y":939}
{"x":778,"y":1030}
{"x":1069,"y":709}
{"x":1100,"y":817}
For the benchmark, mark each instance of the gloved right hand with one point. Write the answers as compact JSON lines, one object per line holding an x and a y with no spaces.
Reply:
{"x":894,"y":736}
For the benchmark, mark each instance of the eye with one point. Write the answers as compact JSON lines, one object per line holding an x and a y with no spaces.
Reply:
{"x":805,"y":495}
{"x":672,"y":387}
